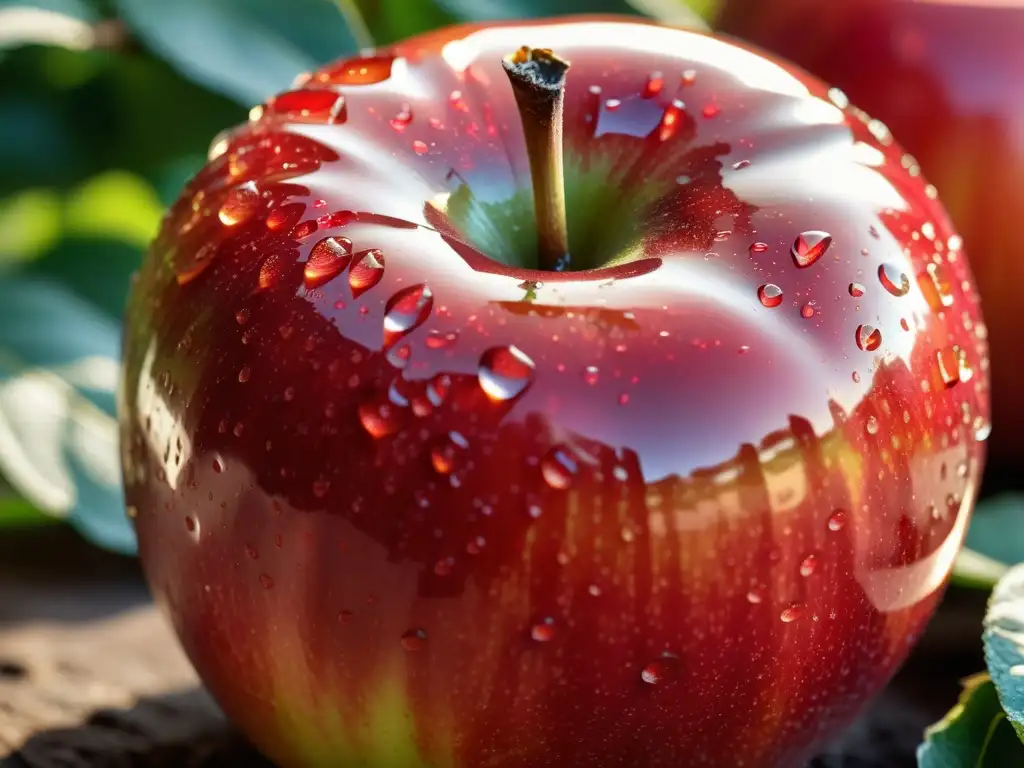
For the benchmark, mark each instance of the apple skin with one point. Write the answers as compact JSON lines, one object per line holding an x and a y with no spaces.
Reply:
{"x":944,"y":75}
{"x":630,"y":515}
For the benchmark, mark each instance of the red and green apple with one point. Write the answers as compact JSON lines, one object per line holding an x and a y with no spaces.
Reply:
{"x":945,"y":77}
{"x":581,"y":392}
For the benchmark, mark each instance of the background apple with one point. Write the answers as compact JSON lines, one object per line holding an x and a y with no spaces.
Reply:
{"x":409,"y":499}
{"x":944,"y":76}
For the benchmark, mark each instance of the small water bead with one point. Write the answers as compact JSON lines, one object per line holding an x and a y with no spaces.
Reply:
{"x":361,"y":70}
{"x":558,"y":467}
{"x":612,"y":104}
{"x":937,"y":290}
{"x":948,"y":366}
{"x":671,"y":119}
{"x":406,"y":311}
{"x":872,"y":425}
{"x":770,"y":295}
{"x":285,"y":217}
{"x":327,"y":260}
{"x":793,"y":612}
{"x":689,"y":77}
{"x":366,"y":271}
{"x":244,"y":374}
{"x":807,"y":311}
{"x":309,"y":104}
{"x":758,"y":247}
{"x":654,"y":85}
{"x":543,"y":631}
{"x":810,"y":246}
{"x":271,"y":271}
{"x":414,"y":639}
{"x":420,"y":148}
{"x":505,"y":372}
{"x":809,"y":565}
{"x":662,"y":670}
{"x":267,"y":581}
{"x":591,"y":374}
{"x":240,"y":205}
{"x":856,"y":290}
{"x":868,"y":338}
{"x":402,"y":119}
{"x":321,"y":487}
{"x":837,"y":520}
{"x":893,"y":280}
{"x":438,"y":340}
{"x":593,"y":590}
{"x":192,"y":526}
{"x":754,"y":597}
{"x":379,"y":419}
{"x":445,"y":456}
{"x":711,"y":110}
{"x":242,"y":316}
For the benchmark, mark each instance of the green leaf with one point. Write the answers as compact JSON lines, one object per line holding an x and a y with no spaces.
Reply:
{"x":31,"y":223}
{"x":997,"y":528}
{"x":16,"y":512}
{"x":977,"y":571}
{"x":245,"y":49}
{"x":975,"y":733}
{"x":58,"y":433}
{"x":1004,"y":645}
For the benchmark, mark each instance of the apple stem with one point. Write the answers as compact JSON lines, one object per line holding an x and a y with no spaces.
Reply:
{"x":538,"y":80}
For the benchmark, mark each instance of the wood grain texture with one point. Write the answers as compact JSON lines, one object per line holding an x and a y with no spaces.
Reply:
{"x":92,"y":677}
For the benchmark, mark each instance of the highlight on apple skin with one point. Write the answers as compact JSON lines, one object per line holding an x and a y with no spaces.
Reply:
{"x":944,"y":76}
{"x":410,"y":499}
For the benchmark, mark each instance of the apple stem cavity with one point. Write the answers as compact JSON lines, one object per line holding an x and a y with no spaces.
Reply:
{"x":538,"y":76}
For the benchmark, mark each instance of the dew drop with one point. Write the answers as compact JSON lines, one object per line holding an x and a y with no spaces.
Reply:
{"x":406,"y":311}
{"x":240,"y":205}
{"x":662,"y":670}
{"x":285,"y":217}
{"x":770,"y":295}
{"x":809,"y":565}
{"x":401,"y":120}
{"x":544,"y":631}
{"x":793,"y":612}
{"x":948,"y":366}
{"x":362,"y":70}
{"x":420,"y":148}
{"x":591,"y":374}
{"x":837,"y":520}
{"x":711,"y":110}
{"x":505,"y":372}
{"x":438,"y":340}
{"x":758,"y":247}
{"x":367,"y":270}
{"x":810,"y":246}
{"x":379,"y":419}
{"x":309,"y":105}
{"x":671,"y":119}
{"x":326,"y":261}
{"x":893,"y":280}
{"x":868,"y":338}
{"x":267,"y":581}
{"x":936,"y":288}
{"x":445,"y":456}
{"x":754,"y":597}
{"x":807,"y":311}
{"x":856,"y":290}
{"x":244,"y":374}
{"x":414,"y":639}
{"x":558,"y":467}
{"x":872,"y":425}
{"x":654,"y":85}
{"x":270,"y":271}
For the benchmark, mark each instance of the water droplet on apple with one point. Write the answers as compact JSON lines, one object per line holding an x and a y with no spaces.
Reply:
{"x":270,"y":271}
{"x":402,"y":119}
{"x":948,"y":366}
{"x":872,"y":425}
{"x":240,"y":205}
{"x":244,"y":374}
{"x":309,"y":105}
{"x":267,"y":581}
{"x":558,"y":467}
{"x":809,"y":565}
{"x":893,"y":280}
{"x":758,"y":247}
{"x":856,"y":290}
{"x":612,"y":104}
{"x":810,"y":246}
{"x":379,"y":419}
{"x":807,"y":311}
{"x":406,"y":311}
{"x":361,"y":70}
{"x":505,"y":372}
{"x":192,"y":526}
{"x":285,"y":217}
{"x":414,"y":639}
{"x":544,"y":631}
{"x":711,"y":110}
{"x":689,"y":76}
{"x":438,"y":340}
{"x":664,"y":669}
{"x":445,"y":456}
{"x":367,"y":270}
{"x":793,"y":612}
{"x":936,"y":288}
{"x":437,"y":389}
{"x":591,"y":374}
{"x":770,"y":295}
{"x":654,"y":85}
{"x":420,"y":148}
{"x":837,"y":520}
{"x":868,"y":338}
{"x":671,"y":119}
{"x":327,"y":260}
{"x":754,"y":597}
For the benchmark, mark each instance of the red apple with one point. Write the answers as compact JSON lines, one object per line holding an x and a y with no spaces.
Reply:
{"x":419,"y":484}
{"x":944,"y":75}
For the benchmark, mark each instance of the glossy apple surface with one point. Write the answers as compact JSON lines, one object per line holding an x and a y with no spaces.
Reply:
{"x":410,"y":501}
{"x":945,"y":76}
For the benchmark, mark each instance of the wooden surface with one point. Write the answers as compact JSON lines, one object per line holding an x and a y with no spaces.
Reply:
{"x":91,"y":676}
